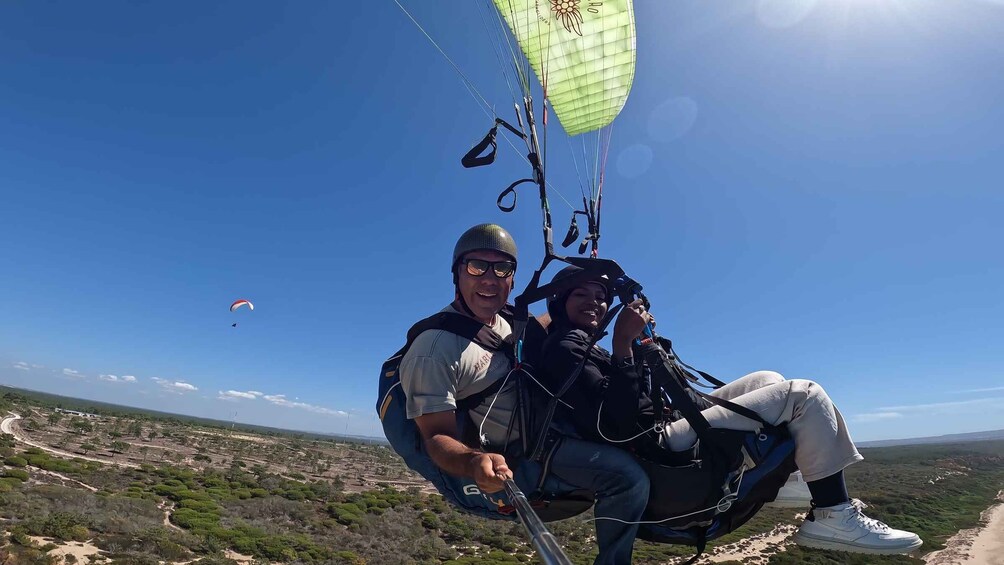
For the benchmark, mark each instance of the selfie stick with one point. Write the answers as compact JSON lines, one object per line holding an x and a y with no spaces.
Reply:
{"x":543,"y":541}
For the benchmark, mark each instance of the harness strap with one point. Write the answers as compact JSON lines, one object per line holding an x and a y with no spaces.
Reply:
{"x":552,"y":404}
{"x":702,"y":542}
{"x":511,"y":189}
{"x":550,"y":444}
{"x":668,"y":373}
{"x":732,"y":406}
{"x":458,"y":324}
{"x":471,"y":158}
{"x":479,"y":333}
{"x":667,"y":345}
{"x":492,"y":341}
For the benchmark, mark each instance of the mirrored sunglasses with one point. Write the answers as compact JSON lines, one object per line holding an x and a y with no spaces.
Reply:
{"x":478,"y":267}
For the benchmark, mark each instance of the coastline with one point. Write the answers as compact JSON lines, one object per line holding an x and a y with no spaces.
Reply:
{"x":983,"y":545}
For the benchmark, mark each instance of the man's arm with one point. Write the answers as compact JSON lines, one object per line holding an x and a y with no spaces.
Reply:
{"x":439,"y":432}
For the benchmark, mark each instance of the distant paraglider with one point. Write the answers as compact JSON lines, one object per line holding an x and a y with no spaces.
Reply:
{"x":237,"y":304}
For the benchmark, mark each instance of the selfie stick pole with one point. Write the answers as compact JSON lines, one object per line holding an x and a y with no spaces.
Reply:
{"x":543,"y":541}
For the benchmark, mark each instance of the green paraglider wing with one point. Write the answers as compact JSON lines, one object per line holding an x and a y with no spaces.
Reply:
{"x":583,"y":53}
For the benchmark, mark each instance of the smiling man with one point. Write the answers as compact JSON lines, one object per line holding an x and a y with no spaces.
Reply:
{"x":442,"y":373}
{"x":441,"y":368}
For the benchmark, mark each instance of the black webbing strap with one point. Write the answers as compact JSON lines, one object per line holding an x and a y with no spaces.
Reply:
{"x":533,"y":292}
{"x":458,"y":324}
{"x":667,"y":345}
{"x":682,"y":367}
{"x":511,"y":189}
{"x":658,"y":407}
{"x":732,"y":406}
{"x":473,"y":158}
{"x":702,"y":542}
{"x":552,"y":405}
{"x":717,"y":383}
{"x":669,"y":374}
{"x":479,"y":333}
{"x":573,"y":231}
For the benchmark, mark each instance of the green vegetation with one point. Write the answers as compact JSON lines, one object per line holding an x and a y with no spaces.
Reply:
{"x":19,"y":474}
{"x":15,"y":461}
{"x":241,"y":502}
{"x":12,"y":397}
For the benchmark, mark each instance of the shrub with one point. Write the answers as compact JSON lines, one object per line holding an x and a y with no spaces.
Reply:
{"x":15,"y":461}
{"x":79,"y":533}
{"x":293,"y":495}
{"x":59,"y":525}
{"x":81,"y":425}
{"x":429,"y":520}
{"x":194,"y":520}
{"x":19,"y":474}
{"x":20,"y":537}
{"x":204,"y":506}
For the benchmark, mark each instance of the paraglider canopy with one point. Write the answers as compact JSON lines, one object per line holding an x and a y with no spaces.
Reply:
{"x":242,"y":302}
{"x":583,"y":54}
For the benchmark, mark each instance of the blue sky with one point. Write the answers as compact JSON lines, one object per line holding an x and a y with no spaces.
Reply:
{"x":810,"y":187}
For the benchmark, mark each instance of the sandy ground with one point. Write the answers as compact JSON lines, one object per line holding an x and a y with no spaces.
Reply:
{"x":989,"y":545}
{"x":9,"y":426}
{"x":81,"y":550}
{"x":755,"y":549}
{"x":238,"y":557}
{"x":982,"y":545}
{"x":167,"y":508}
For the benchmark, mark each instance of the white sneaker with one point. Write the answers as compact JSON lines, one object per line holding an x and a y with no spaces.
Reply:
{"x":794,"y":494}
{"x":845,"y":528}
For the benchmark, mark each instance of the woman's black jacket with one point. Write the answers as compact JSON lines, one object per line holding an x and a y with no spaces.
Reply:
{"x":621,"y":390}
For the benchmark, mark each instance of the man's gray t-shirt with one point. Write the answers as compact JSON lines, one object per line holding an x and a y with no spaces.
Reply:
{"x":441,"y":367}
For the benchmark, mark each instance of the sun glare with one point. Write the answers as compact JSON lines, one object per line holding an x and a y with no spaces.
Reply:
{"x":783,"y":13}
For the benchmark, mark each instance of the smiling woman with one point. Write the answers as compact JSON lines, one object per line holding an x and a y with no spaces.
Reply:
{"x":639,"y":397}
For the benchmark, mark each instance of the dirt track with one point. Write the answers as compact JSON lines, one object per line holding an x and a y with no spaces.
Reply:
{"x":9,"y":426}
